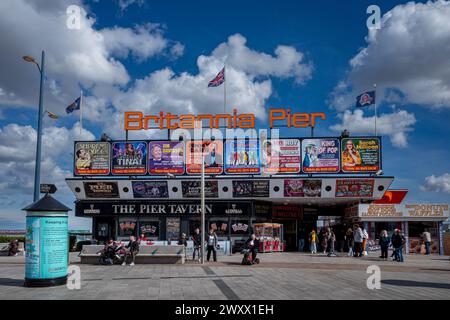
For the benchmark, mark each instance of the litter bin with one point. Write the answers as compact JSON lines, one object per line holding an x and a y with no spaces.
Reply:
{"x":46,"y":246}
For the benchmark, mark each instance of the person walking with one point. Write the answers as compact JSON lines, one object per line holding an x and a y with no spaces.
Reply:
{"x":324,"y":243}
{"x":426,"y":238}
{"x":197,"y":240}
{"x":349,"y":241}
{"x":364,"y":241}
{"x":331,"y":242}
{"x":313,"y":241}
{"x":358,"y":239}
{"x":397,"y":242}
{"x":385,"y":240}
{"x":211,"y":241}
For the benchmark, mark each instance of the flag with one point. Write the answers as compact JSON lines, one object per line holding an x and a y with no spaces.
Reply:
{"x":218,"y":80}
{"x":365,"y":99}
{"x":51,"y":115}
{"x":74,"y":106}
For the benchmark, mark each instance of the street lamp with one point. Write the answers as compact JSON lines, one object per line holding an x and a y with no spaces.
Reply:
{"x":37,"y":170}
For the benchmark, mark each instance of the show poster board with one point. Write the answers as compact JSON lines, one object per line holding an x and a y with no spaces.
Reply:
{"x":101,"y":189}
{"x":129,"y":158}
{"x":173,"y":228}
{"x":213,"y":155}
{"x":280,"y":156}
{"x":166,"y":157}
{"x":92,"y":158}
{"x":320,"y":155}
{"x":302,"y":188}
{"x":192,"y":189}
{"x":350,"y":188}
{"x":249,"y":188}
{"x":242,"y":156}
{"x":361,"y":155}
{"x":150,"y":189}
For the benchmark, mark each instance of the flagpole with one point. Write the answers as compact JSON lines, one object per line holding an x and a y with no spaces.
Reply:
{"x":81,"y":111}
{"x":224,"y":90}
{"x":375,"y":102}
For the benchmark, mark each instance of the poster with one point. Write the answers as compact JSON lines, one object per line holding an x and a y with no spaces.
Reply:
{"x":213,"y":153}
{"x":220,"y":227}
{"x":173,"y":228}
{"x":354,"y":188}
{"x":320,"y":155}
{"x":360,"y":155}
{"x":46,"y":247}
{"x":239,"y":227}
{"x":92,"y":158}
{"x":150,"y":229}
{"x":302,"y":188}
{"x":192,"y":189}
{"x":101,"y":189}
{"x":150,"y":189}
{"x":280,"y":156}
{"x":129,"y":158}
{"x":166,"y":157}
{"x":250,"y":188}
{"x":242,"y":156}
{"x":127,"y":228}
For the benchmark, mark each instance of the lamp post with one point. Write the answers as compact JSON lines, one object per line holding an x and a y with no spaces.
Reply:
{"x":37,"y":170}
{"x":203,"y":207}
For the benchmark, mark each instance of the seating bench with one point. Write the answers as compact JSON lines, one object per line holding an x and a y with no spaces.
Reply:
{"x":89,"y":254}
{"x":147,"y":254}
{"x":172,"y":254}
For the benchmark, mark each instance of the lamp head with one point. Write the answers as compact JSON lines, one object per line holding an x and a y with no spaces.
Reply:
{"x":29,"y":59}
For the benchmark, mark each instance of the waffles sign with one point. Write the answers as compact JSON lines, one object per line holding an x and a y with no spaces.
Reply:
{"x":403,"y":212}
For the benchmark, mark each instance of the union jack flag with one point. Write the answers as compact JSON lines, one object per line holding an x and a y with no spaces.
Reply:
{"x":218,"y":80}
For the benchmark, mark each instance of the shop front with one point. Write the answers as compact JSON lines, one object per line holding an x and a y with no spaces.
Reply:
{"x":411,"y":219}
{"x":162,"y":220}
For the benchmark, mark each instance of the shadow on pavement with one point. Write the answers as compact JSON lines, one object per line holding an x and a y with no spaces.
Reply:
{"x":410,"y":283}
{"x":11,"y":282}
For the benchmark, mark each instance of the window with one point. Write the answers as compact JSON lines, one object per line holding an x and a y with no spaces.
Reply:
{"x":127,"y":228}
{"x":150,"y":229}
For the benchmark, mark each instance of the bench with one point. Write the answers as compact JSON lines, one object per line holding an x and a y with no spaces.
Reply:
{"x":147,"y":254}
{"x":172,"y":254}
{"x":89,"y":254}
{"x":4,"y":249}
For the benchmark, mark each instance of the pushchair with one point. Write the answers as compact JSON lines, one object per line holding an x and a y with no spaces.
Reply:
{"x":248,"y":257}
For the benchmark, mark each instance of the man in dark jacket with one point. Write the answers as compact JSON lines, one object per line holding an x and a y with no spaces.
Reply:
{"x":197,"y":240}
{"x":133,"y":250}
{"x":253,"y":244}
{"x":397,"y":243}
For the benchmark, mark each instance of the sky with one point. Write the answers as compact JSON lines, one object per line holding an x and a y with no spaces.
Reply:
{"x":310,"y":56}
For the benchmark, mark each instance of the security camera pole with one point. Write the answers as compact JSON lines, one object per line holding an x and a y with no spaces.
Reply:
{"x":203,"y":207}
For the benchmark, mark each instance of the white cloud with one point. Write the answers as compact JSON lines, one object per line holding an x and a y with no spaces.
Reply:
{"x":437,"y":183}
{"x":87,"y":57}
{"x":409,"y":53}
{"x":143,"y":42}
{"x":124,"y":4}
{"x":248,"y":84}
{"x":396,"y":125}
{"x":17,"y":156}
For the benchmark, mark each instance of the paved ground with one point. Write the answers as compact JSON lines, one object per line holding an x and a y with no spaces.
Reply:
{"x":279,"y":276}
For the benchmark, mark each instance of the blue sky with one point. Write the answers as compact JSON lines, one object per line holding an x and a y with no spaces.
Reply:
{"x":154,"y":54}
